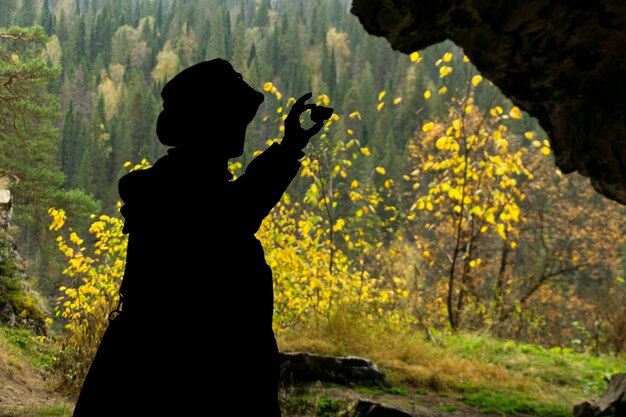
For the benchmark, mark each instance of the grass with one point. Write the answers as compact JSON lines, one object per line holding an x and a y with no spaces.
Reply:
{"x":28,"y":347}
{"x":327,"y":407}
{"x":493,"y":375}
{"x":512,"y":403}
{"x":449,"y":408}
{"x":37,"y":412}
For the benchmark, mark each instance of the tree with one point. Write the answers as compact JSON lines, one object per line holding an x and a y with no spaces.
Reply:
{"x":7,"y":9}
{"x":29,"y":139}
{"x":261,"y":17}
{"x":47,"y":20}
{"x":28,"y":13}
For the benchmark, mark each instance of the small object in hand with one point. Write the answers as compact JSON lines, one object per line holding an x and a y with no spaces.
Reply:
{"x":321,"y":113}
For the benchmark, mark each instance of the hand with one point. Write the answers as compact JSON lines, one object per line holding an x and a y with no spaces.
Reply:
{"x":295,"y":135}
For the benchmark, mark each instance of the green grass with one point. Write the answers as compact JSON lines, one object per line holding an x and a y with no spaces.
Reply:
{"x":573,"y":375}
{"x":502,"y":403}
{"x":378,"y":391}
{"x":37,"y":412}
{"x":28,"y":347}
{"x":327,"y":407}
{"x":449,"y":408}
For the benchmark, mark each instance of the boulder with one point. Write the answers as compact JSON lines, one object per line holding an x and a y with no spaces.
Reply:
{"x":345,"y":370}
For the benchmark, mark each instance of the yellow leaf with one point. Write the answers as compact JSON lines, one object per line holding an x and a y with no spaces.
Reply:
{"x":428,"y":126}
{"x":388,"y":183}
{"x":427,"y":94}
{"x":465,"y":58}
{"x":350,"y":132}
{"x":495,"y":111}
{"x":380,"y":105}
{"x":279,"y":110}
{"x":323,"y":99}
{"x":380,"y":170}
{"x":536,"y":143}
{"x":513,"y":245}
{"x":278,"y":95}
{"x":515,"y":113}
{"x":415,"y":57}
{"x":381,"y":95}
{"x":339,"y":225}
{"x":447,"y":57}
{"x":476,"y":79}
{"x":429,"y":206}
{"x":529,"y":135}
{"x":426,"y":254}
{"x":355,"y":115}
{"x":457,"y":124}
{"x":441,"y":142}
{"x":397,"y":100}
{"x":444,"y":71}
{"x":126,"y":164}
{"x":545,"y":150}
{"x":443,"y":90}
{"x":267,"y":86}
{"x":366,"y":151}
{"x":501,"y":230}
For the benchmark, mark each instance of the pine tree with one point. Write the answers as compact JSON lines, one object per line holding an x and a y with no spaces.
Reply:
{"x":29,"y":145}
{"x":28,"y":13}
{"x":101,"y":37}
{"x":7,"y":10}
{"x":47,"y":21}
{"x":216,"y":47}
{"x":262,"y":18}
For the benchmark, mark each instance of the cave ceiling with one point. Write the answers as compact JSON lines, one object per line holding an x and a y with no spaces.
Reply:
{"x":563,"y":62}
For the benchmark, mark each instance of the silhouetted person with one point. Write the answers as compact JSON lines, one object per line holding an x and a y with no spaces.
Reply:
{"x":194,"y":336}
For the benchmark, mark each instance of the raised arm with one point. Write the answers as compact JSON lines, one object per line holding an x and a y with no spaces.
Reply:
{"x":267,"y":177}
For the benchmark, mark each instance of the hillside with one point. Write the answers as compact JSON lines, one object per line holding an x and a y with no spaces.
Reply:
{"x":463,"y":376}
{"x":27,"y":388}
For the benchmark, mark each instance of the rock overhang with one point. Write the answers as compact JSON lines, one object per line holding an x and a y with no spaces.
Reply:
{"x":563,"y":62}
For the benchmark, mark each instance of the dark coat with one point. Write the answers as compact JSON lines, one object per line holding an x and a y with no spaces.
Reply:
{"x":195,"y":332}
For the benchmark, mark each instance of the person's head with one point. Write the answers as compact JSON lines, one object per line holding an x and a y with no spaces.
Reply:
{"x":208,"y":106}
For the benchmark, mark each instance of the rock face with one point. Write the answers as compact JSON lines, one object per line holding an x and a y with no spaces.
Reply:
{"x":18,"y":306}
{"x":561,"y":61}
{"x":611,"y":404}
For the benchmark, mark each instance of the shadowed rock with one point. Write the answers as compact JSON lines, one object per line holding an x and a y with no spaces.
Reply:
{"x":611,"y":404}
{"x":562,"y":62}
{"x":346,"y":370}
{"x":365,"y":408}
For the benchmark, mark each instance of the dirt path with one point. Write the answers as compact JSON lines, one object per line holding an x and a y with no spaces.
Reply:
{"x":25,"y":392}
